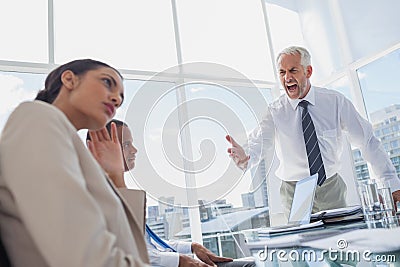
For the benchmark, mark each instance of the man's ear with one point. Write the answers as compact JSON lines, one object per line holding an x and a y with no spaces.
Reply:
{"x":68,"y":79}
{"x":309,"y":71}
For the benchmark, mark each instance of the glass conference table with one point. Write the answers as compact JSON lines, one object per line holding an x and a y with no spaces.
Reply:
{"x":290,"y":250}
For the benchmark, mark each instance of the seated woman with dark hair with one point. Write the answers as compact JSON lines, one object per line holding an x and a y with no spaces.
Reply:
{"x":108,"y":152}
{"x":57,"y":207}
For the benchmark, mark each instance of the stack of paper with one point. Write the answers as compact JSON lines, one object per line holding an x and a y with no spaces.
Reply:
{"x":333,"y":213}
{"x":279,"y":230}
{"x":374,"y":240}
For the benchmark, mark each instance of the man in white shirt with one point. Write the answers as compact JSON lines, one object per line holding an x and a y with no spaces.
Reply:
{"x":170,"y":253}
{"x":332,"y":115}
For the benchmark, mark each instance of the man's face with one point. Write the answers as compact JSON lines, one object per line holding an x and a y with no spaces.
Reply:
{"x":128,"y":149}
{"x":294,"y":78}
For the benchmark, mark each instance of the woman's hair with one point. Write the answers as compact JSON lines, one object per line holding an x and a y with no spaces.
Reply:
{"x":118,"y":123}
{"x":53,"y":81}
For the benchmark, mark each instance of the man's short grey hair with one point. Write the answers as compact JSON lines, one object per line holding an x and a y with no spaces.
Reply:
{"x":305,"y":58}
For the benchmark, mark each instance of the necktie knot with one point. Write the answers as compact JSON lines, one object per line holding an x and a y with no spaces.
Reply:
{"x":303,"y":104}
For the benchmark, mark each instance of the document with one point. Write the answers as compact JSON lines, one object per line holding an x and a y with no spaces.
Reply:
{"x":294,"y":239}
{"x":374,"y":240}
{"x":340,"y":212}
{"x":285,"y":229}
{"x":277,"y":242}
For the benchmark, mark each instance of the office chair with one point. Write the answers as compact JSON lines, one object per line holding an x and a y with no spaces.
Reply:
{"x":4,"y":261}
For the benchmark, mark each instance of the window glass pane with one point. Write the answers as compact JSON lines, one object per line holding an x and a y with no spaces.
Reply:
{"x":364,"y":22}
{"x":230,"y":201}
{"x":382,"y":101}
{"x":24,"y":31}
{"x":319,"y":32}
{"x":230,"y":33}
{"x":282,"y":20}
{"x":16,"y":88}
{"x":150,"y":111}
{"x":128,"y":34}
{"x":378,"y":85}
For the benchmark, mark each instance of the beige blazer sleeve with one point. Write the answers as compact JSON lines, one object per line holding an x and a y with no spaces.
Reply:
{"x":58,"y":197}
{"x":136,"y":200}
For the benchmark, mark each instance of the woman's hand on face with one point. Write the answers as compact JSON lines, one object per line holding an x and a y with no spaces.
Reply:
{"x":107,"y":151}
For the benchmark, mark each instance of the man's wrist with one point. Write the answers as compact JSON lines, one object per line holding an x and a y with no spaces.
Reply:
{"x":242,"y":164}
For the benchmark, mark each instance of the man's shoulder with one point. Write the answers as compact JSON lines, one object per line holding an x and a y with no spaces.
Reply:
{"x":327,"y":92}
{"x":279,"y":102}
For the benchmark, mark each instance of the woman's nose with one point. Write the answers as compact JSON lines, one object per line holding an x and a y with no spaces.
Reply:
{"x":116,"y":99}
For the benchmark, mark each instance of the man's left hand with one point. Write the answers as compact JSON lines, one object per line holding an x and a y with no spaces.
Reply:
{"x":207,"y":256}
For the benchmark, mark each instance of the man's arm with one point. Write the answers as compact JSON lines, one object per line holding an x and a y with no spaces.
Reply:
{"x":237,"y":153}
{"x":260,"y":145}
{"x":361,"y":134}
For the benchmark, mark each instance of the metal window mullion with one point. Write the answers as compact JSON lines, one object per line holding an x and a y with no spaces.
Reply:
{"x":275,"y":91}
{"x":192,"y":198}
{"x":50,"y":29}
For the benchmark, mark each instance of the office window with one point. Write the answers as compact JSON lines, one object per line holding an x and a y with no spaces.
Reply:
{"x":386,"y":130}
{"x":17,"y":87}
{"x":231,"y":33}
{"x":24,"y":31}
{"x":129,"y":34}
{"x":381,"y":99}
{"x":279,"y":27}
{"x":224,"y":193}
{"x":378,"y":87}
{"x":394,"y":144}
{"x":151,"y":112}
{"x":220,"y":110}
{"x":359,"y":15}
{"x":320,"y":34}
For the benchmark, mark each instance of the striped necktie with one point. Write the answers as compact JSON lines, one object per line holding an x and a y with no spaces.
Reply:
{"x":315,"y":162}
{"x":158,"y":240}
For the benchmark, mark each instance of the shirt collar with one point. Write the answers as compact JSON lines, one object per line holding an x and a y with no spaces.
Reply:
{"x":310,"y":97}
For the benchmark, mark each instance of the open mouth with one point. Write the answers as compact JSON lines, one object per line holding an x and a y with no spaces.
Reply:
{"x":292,"y":87}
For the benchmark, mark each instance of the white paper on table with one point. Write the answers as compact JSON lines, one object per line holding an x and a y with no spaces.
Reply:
{"x":374,"y":240}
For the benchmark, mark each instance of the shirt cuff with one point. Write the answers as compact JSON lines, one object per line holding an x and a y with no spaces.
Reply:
{"x":394,"y":184}
{"x":169,"y":259}
{"x":184,"y":247}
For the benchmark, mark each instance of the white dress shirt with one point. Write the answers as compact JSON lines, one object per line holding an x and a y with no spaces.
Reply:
{"x":161,"y":257}
{"x":333,"y":116}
